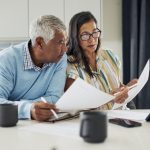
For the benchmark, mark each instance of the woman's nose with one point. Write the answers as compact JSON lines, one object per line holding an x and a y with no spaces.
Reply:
{"x":91,"y":39}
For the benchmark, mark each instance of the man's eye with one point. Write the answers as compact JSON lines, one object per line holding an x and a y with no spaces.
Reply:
{"x":61,"y":42}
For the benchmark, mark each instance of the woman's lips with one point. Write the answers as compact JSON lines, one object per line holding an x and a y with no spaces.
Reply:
{"x":91,"y":46}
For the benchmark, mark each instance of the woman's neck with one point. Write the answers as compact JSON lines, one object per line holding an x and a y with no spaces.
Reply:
{"x":91,"y":57}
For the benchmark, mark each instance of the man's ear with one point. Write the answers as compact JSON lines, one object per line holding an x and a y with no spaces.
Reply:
{"x":39,"y":42}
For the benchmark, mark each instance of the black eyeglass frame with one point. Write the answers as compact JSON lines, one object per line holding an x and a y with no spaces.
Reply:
{"x":97,"y":30}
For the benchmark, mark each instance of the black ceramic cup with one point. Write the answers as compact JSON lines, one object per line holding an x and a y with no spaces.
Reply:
{"x":93,"y":127}
{"x":8,"y":115}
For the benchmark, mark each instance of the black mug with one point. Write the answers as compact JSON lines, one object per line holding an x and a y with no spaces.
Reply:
{"x":8,"y":115}
{"x":93,"y":127}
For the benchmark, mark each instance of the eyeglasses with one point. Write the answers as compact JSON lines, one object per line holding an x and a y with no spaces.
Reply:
{"x":86,"y":36}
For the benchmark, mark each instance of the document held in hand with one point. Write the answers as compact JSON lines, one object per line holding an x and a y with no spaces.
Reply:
{"x":140,"y":84}
{"x":82,"y":96}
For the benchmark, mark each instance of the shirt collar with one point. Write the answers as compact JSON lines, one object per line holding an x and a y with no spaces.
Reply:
{"x":28,"y":63}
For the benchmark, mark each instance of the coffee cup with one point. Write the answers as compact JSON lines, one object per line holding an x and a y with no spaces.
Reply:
{"x":93,"y":126}
{"x":8,"y":115}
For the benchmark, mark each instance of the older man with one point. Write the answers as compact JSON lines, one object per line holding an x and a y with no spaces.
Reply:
{"x":35,"y":69}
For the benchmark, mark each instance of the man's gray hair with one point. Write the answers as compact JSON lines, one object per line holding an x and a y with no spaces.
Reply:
{"x":45,"y":26}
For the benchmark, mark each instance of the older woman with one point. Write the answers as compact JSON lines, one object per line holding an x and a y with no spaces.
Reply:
{"x":98,"y":67}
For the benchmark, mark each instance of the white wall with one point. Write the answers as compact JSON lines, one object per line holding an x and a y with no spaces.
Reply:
{"x":112,"y":26}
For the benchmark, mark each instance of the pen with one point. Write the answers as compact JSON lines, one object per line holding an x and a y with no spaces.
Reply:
{"x":129,"y":87}
{"x":53,"y":112}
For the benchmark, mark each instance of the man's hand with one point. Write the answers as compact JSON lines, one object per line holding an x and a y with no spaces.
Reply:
{"x":41,"y":111}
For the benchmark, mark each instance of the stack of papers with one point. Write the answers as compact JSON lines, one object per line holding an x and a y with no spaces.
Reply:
{"x":82,"y":96}
{"x":125,"y":114}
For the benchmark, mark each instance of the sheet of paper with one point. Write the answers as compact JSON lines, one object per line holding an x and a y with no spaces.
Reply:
{"x":65,"y":129}
{"x":82,"y":95}
{"x":128,"y":114}
{"x":141,"y":82}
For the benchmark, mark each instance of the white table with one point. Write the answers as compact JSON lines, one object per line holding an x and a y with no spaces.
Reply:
{"x":119,"y":138}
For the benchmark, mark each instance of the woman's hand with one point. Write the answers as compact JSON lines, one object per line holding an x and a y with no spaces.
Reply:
{"x":121,"y":94}
{"x":133,"y":81}
{"x":41,"y":111}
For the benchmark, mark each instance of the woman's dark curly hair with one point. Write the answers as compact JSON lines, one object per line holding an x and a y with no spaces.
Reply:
{"x":74,"y":49}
